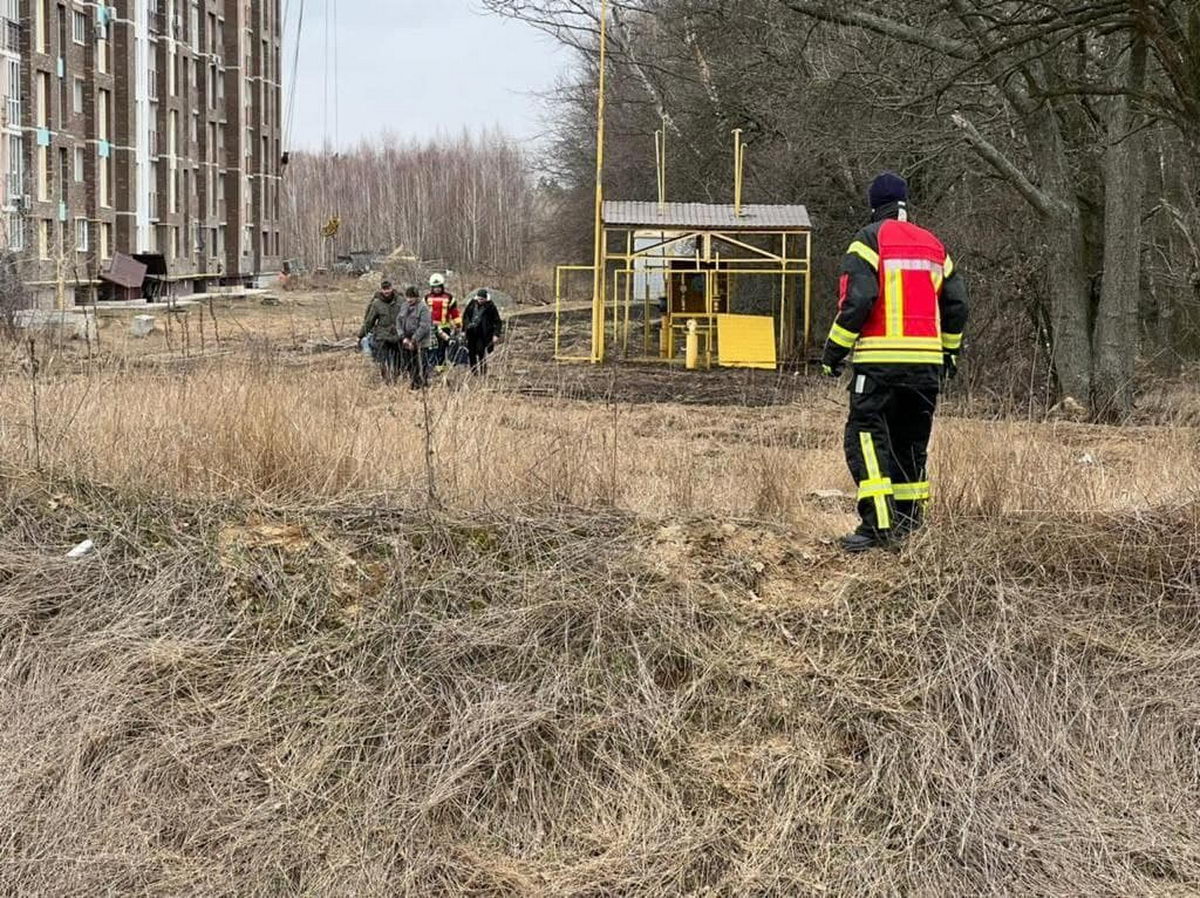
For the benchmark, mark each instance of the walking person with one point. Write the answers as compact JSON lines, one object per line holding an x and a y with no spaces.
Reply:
{"x":380,"y":324}
{"x":482,"y":325}
{"x":902,"y":309}
{"x":415,"y":329}
{"x":447,"y":319}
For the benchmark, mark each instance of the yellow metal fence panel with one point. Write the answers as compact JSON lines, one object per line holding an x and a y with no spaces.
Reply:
{"x":746,"y":341}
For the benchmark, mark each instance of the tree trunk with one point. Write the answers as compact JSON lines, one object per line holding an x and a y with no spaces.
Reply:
{"x":1068,"y":281}
{"x":1070,"y":297}
{"x":1124,"y":190}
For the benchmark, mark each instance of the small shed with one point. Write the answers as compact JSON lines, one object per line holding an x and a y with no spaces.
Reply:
{"x":727,"y":270}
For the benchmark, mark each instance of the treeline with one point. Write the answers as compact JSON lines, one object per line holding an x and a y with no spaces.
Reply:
{"x":467,"y":202}
{"x":1053,"y":144}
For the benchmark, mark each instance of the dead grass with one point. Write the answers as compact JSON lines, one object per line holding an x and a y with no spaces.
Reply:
{"x":622,"y":659}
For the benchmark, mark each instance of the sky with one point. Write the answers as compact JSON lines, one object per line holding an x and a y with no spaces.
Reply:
{"x":419,"y":68}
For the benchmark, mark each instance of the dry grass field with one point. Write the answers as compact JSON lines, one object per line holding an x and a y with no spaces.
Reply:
{"x":573,"y":632}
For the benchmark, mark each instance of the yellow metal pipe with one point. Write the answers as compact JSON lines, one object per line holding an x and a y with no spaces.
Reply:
{"x":598,"y":284}
{"x":737,"y":171}
{"x":558,"y":312}
{"x":807,"y":299}
{"x":693,"y":346}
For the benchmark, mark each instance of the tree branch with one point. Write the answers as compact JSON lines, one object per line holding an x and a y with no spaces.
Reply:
{"x":839,"y":14}
{"x":1045,"y":205}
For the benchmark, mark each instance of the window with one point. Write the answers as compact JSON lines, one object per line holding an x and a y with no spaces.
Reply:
{"x":64,"y":173}
{"x":105,"y":167}
{"x":153,"y":176}
{"x":79,"y":24}
{"x":81,"y":235}
{"x":102,"y":114}
{"x":78,"y":96}
{"x":44,"y":238}
{"x":43,"y":99}
{"x":105,"y":240}
{"x":16,"y":166}
{"x":13,"y":107}
{"x":195,"y":132}
{"x":42,"y":44}
{"x":80,"y":159}
{"x":16,"y":231}
{"x":43,"y":174}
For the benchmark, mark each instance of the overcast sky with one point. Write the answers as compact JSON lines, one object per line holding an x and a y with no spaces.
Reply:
{"x":414,"y":67}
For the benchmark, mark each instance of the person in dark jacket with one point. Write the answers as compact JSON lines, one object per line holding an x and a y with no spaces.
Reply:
{"x":902,"y":310}
{"x":482,"y":326}
{"x":415,"y":328}
{"x":380,"y":324}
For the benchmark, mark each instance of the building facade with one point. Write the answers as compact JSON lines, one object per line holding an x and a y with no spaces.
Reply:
{"x":147,"y":127}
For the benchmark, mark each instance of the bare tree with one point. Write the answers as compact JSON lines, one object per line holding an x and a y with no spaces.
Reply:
{"x":468,"y":201}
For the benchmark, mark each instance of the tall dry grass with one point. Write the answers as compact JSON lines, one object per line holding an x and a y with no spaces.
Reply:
{"x":619,"y":661}
{"x":266,"y":427}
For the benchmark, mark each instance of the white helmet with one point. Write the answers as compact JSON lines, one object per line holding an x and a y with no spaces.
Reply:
{"x":437,"y":280}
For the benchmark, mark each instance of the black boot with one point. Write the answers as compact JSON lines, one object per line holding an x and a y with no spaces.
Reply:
{"x":858,"y":542}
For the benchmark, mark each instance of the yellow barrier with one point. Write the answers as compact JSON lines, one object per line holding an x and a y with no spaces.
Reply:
{"x":746,"y":341}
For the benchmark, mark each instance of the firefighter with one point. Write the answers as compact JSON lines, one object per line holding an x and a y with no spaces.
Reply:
{"x":446,"y":317}
{"x":902,"y":309}
{"x":380,"y":325}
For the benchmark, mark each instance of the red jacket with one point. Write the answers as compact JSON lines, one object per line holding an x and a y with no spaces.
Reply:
{"x":444,"y":310}
{"x":901,"y":301}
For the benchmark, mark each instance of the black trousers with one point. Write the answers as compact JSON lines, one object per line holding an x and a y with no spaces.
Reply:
{"x":887,"y":449}
{"x":479,"y":349}
{"x":413,"y":362}
{"x":387,"y":355}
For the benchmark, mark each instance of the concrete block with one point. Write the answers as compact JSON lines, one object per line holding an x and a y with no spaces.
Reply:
{"x":71,"y":324}
{"x":143,"y":326}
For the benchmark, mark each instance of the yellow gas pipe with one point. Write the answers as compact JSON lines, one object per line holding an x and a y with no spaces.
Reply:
{"x":693,"y":346}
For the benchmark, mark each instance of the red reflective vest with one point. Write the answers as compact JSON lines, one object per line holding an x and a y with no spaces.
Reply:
{"x":904,"y":326}
{"x":442,"y":310}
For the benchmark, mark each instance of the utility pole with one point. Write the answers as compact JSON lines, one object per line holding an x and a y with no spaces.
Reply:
{"x":599,"y":281}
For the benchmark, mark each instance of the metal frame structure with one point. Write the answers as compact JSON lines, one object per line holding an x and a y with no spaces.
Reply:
{"x":731,"y":247}
{"x":727,"y":242}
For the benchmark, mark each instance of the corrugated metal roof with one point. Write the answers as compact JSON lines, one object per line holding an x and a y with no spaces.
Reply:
{"x":124,"y":271}
{"x":705,"y":216}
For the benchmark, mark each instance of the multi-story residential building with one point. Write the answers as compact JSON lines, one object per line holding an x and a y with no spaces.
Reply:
{"x":142,"y":127}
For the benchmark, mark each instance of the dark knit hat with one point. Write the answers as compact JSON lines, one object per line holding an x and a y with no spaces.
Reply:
{"x":889,"y":187}
{"x":412,"y":292}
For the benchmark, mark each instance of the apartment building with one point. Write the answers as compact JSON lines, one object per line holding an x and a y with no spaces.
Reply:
{"x":141,"y":127}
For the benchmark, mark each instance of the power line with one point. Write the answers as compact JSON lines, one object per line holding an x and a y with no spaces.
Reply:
{"x":290,"y":115}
